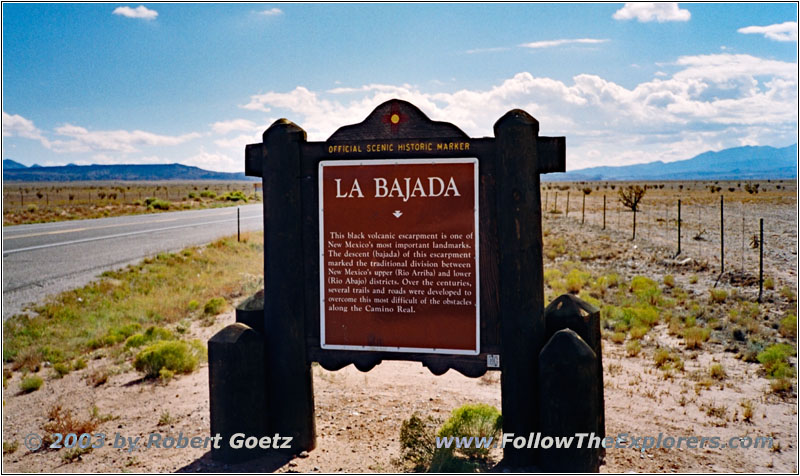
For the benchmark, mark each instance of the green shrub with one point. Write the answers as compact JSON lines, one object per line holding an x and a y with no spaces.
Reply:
{"x":418,"y":441}
{"x":693,"y":279}
{"x":789,"y":326}
{"x":638,"y":332}
{"x":157,"y":204}
{"x":80,"y":363}
{"x":476,"y":420}
{"x":61,"y":369}
{"x":716,"y":371}
{"x":208,"y":194}
{"x":234,"y":196}
{"x":174,"y":355}
{"x":694,"y":336}
{"x":31,"y":384}
{"x":775,"y":360}
{"x":718,"y":295}
{"x":214,"y":306}
{"x":669,"y":281}
{"x":787,"y":293}
{"x":152,"y":334}
{"x":769,"y":283}
{"x":633,"y":348}
{"x":193,"y":305}
{"x":618,"y":337}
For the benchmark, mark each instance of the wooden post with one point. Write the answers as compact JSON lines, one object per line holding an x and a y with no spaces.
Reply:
{"x":604,"y":211}
{"x":721,"y":234}
{"x":555,"y":202}
{"x":520,"y":276}
{"x":679,"y":228}
{"x":760,"y":258}
{"x":567,"y":212}
{"x":290,"y":396}
{"x":583,"y":209}
{"x":238,"y":226}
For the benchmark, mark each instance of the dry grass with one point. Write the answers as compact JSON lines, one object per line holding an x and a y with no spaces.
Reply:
{"x":156,"y":292}
{"x":59,"y":201}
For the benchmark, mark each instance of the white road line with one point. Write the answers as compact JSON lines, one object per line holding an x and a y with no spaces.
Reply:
{"x":119,"y":235}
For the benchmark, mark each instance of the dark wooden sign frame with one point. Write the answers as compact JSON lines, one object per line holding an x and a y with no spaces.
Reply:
{"x":510,"y":251}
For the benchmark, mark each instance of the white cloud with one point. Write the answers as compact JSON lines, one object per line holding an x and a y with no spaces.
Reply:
{"x":225,"y":127}
{"x":84,"y":140}
{"x":238,"y":142}
{"x":141,"y":12}
{"x":272,"y":12}
{"x":552,"y":43}
{"x":15,"y":125}
{"x":710,"y":102}
{"x":786,"y":31}
{"x":214,"y":161}
{"x":647,"y":12}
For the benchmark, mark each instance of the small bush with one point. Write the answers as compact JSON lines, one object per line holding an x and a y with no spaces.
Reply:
{"x":788,"y":294}
{"x":208,"y":194}
{"x":769,"y":283}
{"x":775,"y":360}
{"x":695,"y":336}
{"x":637,"y":332}
{"x":61,"y":369}
{"x":781,"y":385}
{"x":63,"y":422}
{"x":152,"y":334}
{"x":693,"y":279}
{"x":31,"y":384}
{"x":193,"y":305}
{"x":79,"y":364}
{"x":789,"y":326}
{"x":618,"y":337}
{"x":478,"y":420}
{"x":176,"y":356}
{"x":747,"y":410}
{"x":157,"y":204}
{"x":718,"y":295}
{"x":234,"y":196}
{"x":10,"y":447}
{"x":717,"y":372}
{"x":214,"y":306}
{"x":633,"y":348}
{"x":669,"y":281}
{"x":418,"y":441}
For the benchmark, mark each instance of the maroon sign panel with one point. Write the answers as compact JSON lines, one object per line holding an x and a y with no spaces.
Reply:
{"x":399,"y":255}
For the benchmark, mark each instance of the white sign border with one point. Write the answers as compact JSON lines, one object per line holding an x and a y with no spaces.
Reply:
{"x":476,"y":182}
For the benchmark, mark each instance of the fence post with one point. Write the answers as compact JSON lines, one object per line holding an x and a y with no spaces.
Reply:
{"x":567,"y":213}
{"x":760,"y":258}
{"x":721,"y":234}
{"x":238,"y":227}
{"x":604,"y":211}
{"x":583,"y":209}
{"x":555,"y":202}
{"x":679,"y":227}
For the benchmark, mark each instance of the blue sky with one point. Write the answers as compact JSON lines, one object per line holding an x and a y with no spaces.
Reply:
{"x":194,"y":83}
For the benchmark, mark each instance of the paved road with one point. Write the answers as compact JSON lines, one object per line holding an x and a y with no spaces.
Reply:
{"x":44,"y":259}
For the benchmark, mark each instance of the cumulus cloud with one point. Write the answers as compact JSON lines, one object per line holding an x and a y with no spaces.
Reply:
{"x":786,"y":31}
{"x":272,"y":12}
{"x":552,"y":43}
{"x":225,"y":127}
{"x":710,"y":102}
{"x":140,"y":12}
{"x":647,"y":12}
{"x":15,"y":125}
{"x":84,"y":140}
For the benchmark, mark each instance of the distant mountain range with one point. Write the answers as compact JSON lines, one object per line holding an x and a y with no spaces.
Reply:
{"x":762,"y":162}
{"x":15,"y":172}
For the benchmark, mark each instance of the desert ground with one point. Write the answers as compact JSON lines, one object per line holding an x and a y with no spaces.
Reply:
{"x":656,"y":381}
{"x":40,"y":202}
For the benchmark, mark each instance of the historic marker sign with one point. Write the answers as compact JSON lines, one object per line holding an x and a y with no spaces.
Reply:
{"x":399,"y":255}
